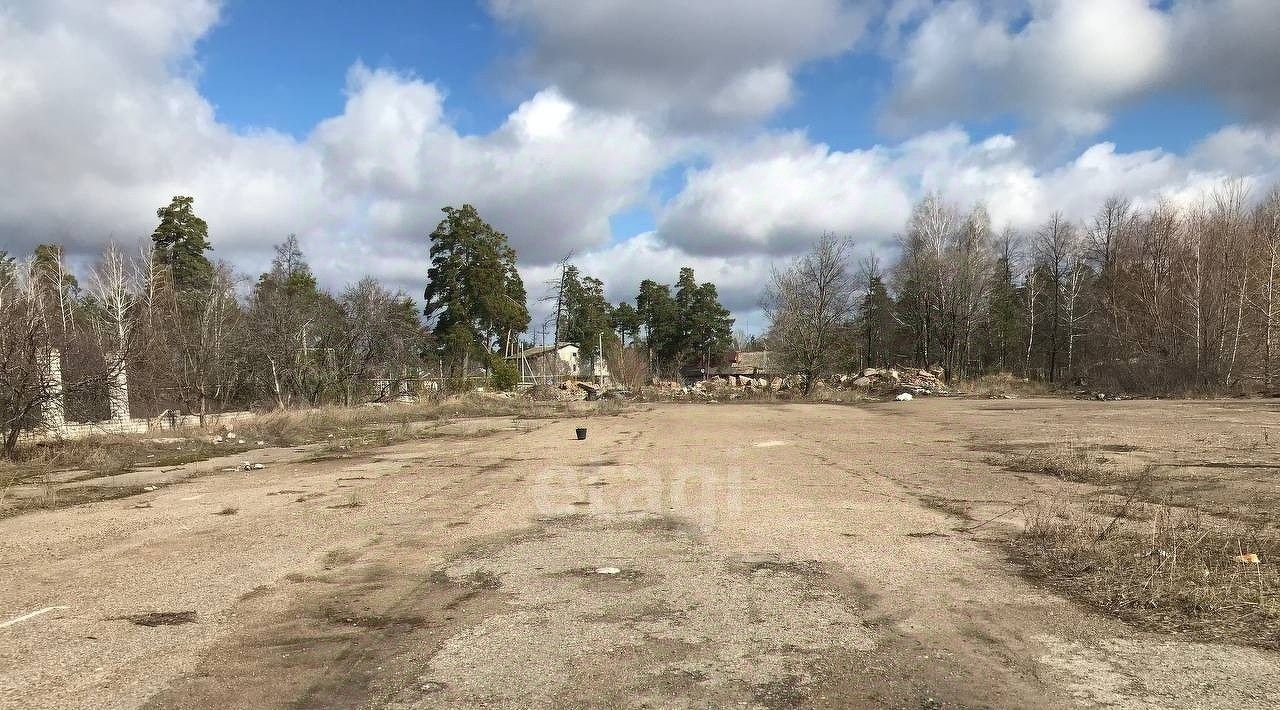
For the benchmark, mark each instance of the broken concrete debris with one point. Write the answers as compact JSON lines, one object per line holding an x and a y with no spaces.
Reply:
{"x":916,"y":382}
{"x":575,"y":391}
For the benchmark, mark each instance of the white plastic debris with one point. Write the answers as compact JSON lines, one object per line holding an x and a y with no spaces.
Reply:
{"x":258,"y":467}
{"x":148,"y":488}
{"x":607,"y":570}
{"x":904,"y":397}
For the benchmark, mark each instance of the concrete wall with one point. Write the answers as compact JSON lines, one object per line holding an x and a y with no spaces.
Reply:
{"x":54,"y":426}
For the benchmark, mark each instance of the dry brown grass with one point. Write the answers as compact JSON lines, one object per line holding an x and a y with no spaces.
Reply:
{"x":1080,"y":464}
{"x":111,"y":454}
{"x":1004,"y":384}
{"x":1160,"y":567}
{"x":342,"y":429}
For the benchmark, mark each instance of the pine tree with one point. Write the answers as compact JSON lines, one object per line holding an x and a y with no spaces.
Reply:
{"x":289,"y":313}
{"x":475,"y":297}
{"x":706,"y":329}
{"x":661,"y":319}
{"x":181,"y":239}
{"x":1005,"y":317}
{"x":875,"y":318}
{"x":626,"y":321}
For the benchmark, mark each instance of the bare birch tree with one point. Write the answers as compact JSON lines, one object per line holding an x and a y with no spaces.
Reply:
{"x":810,"y":305}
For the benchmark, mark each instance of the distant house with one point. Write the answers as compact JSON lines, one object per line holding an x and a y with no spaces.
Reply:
{"x":555,"y":363}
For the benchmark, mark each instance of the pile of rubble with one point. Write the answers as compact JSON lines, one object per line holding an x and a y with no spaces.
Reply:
{"x":895,"y":381}
{"x":574,"y":391}
{"x":542,"y":392}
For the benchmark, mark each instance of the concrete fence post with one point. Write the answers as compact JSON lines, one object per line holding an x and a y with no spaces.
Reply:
{"x":53,"y":412}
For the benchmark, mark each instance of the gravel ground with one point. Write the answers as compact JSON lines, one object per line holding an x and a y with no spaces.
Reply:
{"x":683,"y":556}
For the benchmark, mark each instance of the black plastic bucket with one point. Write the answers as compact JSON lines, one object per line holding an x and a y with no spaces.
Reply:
{"x":581,"y":432}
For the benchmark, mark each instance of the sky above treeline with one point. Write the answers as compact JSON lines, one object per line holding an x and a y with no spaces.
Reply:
{"x":639,"y":136}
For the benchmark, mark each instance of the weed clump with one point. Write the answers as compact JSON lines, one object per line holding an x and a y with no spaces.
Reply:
{"x":1159,"y":567}
{"x":1079,"y":464}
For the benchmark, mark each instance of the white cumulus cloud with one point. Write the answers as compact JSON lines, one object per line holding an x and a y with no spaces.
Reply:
{"x":693,"y":63}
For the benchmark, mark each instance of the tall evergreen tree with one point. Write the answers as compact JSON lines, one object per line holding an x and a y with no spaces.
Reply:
{"x":661,"y":319}
{"x":706,"y":329}
{"x":1004,"y":316}
{"x":875,"y":319}
{"x":181,"y":240}
{"x":475,"y":297}
{"x":290,"y":312}
{"x":626,"y":322}
{"x":586,"y":315}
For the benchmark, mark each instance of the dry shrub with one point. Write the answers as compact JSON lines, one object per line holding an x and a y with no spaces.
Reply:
{"x":629,"y":366}
{"x":1160,"y":567}
{"x":1005,"y":383}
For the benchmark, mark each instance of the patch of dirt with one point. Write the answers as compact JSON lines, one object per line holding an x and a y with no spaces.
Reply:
{"x":159,"y":618}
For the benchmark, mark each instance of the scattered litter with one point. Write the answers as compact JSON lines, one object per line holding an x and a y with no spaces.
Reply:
{"x":904,"y":397}
{"x":770,"y":444}
{"x":232,"y":435}
{"x":262,"y":443}
{"x":607,"y":570}
{"x":32,"y":615}
{"x":1248,"y":559}
{"x":148,"y":488}
{"x":158,"y":618}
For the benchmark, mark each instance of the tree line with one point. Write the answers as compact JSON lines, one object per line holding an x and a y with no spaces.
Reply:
{"x":660,"y":332}
{"x":1164,"y":299}
{"x":194,"y":336}
{"x":190,"y":333}
{"x":477,"y":312}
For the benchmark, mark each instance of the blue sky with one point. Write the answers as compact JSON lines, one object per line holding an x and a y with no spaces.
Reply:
{"x":639,"y":137}
{"x":265,"y":64}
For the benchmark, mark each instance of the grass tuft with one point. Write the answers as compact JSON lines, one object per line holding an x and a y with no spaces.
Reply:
{"x":1079,"y":464}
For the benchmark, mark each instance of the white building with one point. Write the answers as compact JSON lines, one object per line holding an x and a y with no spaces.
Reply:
{"x":554,"y":363}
